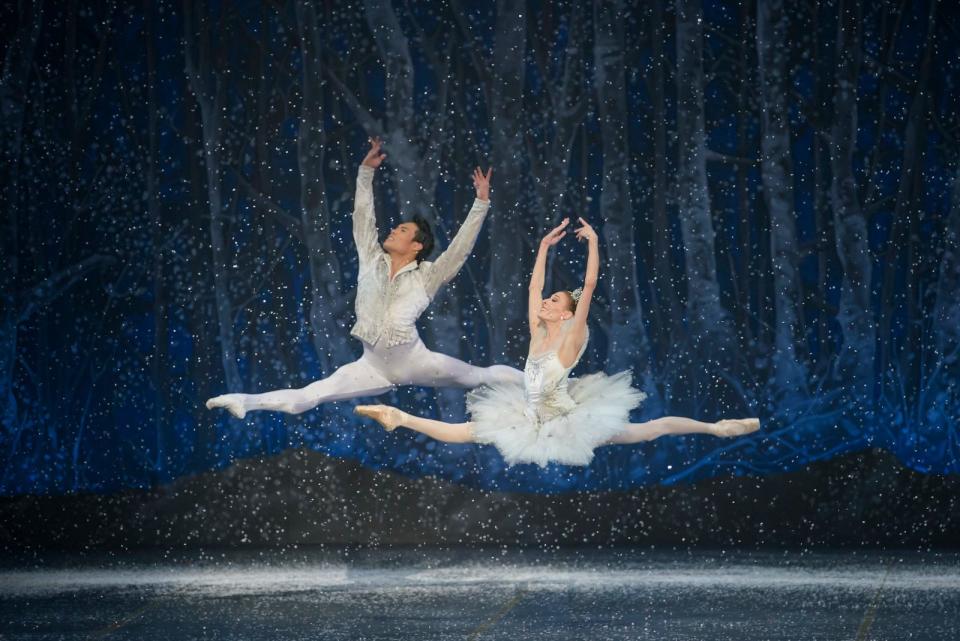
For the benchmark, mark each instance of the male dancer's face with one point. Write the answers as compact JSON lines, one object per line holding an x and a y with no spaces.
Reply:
{"x":401,"y":241}
{"x":556,"y":307}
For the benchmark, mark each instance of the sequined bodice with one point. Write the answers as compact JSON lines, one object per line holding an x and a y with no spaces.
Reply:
{"x":545,"y":385}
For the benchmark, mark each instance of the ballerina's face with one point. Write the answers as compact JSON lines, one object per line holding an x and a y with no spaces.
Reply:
{"x":556,"y":307}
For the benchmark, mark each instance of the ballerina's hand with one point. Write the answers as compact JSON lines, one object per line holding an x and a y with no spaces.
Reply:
{"x":554,"y":235}
{"x":374,"y":158}
{"x":586,"y":232}
{"x":481,"y":182}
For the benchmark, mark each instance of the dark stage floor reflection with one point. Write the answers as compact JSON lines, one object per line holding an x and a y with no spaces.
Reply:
{"x":482,"y":594}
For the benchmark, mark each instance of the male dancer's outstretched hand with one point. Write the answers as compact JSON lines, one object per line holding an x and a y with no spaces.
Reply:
{"x":374,"y":157}
{"x":481,"y":181}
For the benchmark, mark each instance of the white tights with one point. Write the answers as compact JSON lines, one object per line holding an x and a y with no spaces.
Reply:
{"x":379,"y":370}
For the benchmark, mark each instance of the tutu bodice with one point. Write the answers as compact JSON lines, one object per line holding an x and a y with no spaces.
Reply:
{"x":552,"y":417}
{"x":545,"y":384}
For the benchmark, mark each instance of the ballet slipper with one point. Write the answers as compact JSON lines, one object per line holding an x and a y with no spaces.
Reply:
{"x":734,"y":427}
{"x":232,"y":405}
{"x":389,"y":417}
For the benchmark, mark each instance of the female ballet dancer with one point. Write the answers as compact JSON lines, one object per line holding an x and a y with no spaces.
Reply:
{"x":547,"y":419}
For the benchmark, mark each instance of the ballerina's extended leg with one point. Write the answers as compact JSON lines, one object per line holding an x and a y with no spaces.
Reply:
{"x":638,"y":432}
{"x":391,"y":418}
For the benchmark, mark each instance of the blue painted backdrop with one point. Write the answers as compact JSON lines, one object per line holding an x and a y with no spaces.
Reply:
{"x":177,"y":184}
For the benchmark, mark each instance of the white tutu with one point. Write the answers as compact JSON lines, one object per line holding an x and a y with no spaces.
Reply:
{"x":600,"y":410}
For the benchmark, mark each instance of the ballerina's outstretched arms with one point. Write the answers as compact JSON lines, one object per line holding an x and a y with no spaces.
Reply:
{"x":549,"y":417}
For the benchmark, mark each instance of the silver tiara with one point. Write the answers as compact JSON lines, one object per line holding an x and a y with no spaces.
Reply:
{"x":576,"y":294}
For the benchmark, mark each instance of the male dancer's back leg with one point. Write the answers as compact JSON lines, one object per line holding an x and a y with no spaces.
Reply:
{"x":421,"y":366}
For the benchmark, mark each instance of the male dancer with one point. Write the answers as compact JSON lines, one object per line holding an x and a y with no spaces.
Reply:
{"x":394,"y":286}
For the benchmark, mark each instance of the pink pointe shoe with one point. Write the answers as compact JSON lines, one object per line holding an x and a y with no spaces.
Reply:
{"x":389,"y":417}
{"x":735,"y":427}
{"x":229,"y":402}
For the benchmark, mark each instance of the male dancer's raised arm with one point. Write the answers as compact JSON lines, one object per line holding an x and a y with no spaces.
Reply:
{"x":364,"y":216}
{"x":452,"y":259}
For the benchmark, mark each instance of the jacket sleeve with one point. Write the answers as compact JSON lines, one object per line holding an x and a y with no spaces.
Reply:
{"x":364,"y":218}
{"x":452,"y":259}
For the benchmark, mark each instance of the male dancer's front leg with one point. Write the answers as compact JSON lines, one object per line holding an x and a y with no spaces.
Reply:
{"x":353,"y":380}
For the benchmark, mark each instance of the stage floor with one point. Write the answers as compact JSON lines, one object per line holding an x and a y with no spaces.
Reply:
{"x":489,"y":594}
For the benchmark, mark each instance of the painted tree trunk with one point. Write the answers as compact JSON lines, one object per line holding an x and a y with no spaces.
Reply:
{"x":627,"y":340}
{"x":789,"y":373}
{"x":209,"y":91}
{"x":563,"y":107}
{"x":328,"y":309}
{"x":667,"y":309}
{"x":159,"y":366}
{"x":507,"y":272}
{"x":709,"y":323}
{"x":946,"y":325}
{"x":744,"y":258}
{"x":18,"y":60}
{"x":201,"y":314}
{"x":821,"y":187}
{"x":908,"y":209}
{"x":856,"y":359}
{"x":400,"y":134}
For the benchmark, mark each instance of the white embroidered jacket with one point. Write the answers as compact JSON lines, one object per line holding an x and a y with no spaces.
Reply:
{"x":387,"y":310}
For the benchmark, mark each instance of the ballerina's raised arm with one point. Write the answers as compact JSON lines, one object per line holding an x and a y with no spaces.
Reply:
{"x":578,"y":332}
{"x":538,"y":276}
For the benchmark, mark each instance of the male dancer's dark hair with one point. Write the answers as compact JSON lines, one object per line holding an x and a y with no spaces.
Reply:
{"x":424,"y":236}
